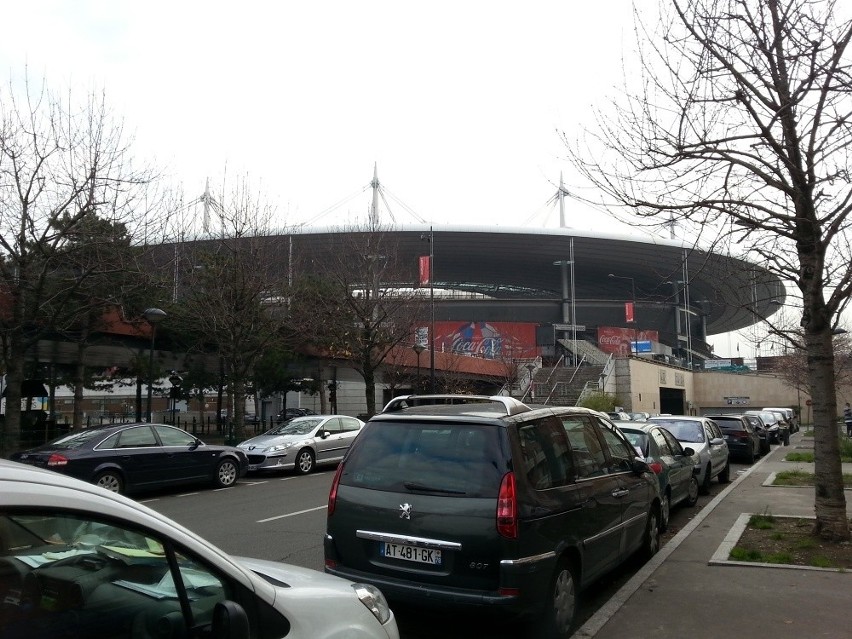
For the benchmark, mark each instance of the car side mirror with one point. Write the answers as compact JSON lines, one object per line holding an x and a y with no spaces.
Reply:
{"x":230,"y":621}
{"x":323,"y":434}
{"x":640,"y":466}
{"x":717,"y":441}
{"x":688,"y":452}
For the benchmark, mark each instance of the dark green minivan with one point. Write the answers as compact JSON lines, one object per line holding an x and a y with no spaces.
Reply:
{"x":486,"y":502}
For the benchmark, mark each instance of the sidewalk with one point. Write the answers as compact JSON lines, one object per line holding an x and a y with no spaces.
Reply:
{"x":684,"y":592}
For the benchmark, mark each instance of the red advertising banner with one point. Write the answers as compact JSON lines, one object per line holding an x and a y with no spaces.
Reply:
{"x":628,"y":312}
{"x":424,"y":269}
{"x":491,"y":340}
{"x":614,"y":339}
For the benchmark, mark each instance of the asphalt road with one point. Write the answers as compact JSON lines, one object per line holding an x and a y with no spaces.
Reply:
{"x":282,"y":518}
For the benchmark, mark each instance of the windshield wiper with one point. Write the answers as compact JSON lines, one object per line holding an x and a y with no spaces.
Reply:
{"x":411,"y":485}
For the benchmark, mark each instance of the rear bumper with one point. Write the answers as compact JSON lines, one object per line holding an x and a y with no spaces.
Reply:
{"x":527,"y":580}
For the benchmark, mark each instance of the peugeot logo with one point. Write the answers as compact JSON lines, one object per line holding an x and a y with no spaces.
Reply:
{"x":405,"y":511}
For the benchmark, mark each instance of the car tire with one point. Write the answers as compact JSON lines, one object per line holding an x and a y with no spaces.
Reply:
{"x":651,"y":538}
{"x":725,"y":475}
{"x":227,"y":473}
{"x":111,"y":480}
{"x":705,"y":485}
{"x":305,"y":461}
{"x":751,"y":456}
{"x":692,"y":492}
{"x":561,"y":607}
{"x":665,"y":511}
{"x":765,"y":446}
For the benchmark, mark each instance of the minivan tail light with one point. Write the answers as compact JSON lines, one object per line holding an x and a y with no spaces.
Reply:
{"x":332,"y":494}
{"x":507,"y":508}
{"x":57,"y":460}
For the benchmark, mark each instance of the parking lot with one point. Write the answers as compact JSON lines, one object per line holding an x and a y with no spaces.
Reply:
{"x":282,"y":517}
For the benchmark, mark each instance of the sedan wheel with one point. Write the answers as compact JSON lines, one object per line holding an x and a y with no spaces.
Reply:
{"x":110,"y":480}
{"x":226,"y":473}
{"x":692,"y":491}
{"x":651,"y":543}
{"x":305,"y":461}
{"x":665,"y":510}
{"x":705,"y":485}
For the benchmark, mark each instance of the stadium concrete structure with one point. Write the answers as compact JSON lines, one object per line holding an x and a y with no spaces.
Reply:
{"x":544,"y":298}
{"x":642,"y":308}
{"x":570,"y":285}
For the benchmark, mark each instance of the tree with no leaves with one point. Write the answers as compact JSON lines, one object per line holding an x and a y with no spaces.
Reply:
{"x":63,"y":166}
{"x":358,"y":303}
{"x":739,"y":129}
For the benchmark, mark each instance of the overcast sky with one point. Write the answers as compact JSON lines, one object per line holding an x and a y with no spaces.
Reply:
{"x":459,"y":103}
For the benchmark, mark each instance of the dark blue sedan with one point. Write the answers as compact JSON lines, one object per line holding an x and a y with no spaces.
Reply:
{"x":127,"y":458}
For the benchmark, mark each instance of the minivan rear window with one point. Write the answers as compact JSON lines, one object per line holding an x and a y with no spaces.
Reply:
{"x":427,"y":458}
{"x":729,"y":424}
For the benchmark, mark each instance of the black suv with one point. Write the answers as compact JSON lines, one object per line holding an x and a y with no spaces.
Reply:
{"x":484,"y":501}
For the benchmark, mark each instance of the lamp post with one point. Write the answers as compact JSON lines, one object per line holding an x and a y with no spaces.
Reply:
{"x":431,"y":239}
{"x":175,"y":380}
{"x":418,"y":348}
{"x":153,"y":316}
{"x":632,"y":320}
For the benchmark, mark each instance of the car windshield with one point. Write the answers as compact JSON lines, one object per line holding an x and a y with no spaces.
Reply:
{"x":427,"y":458}
{"x":685,"y":431}
{"x":75,"y":440}
{"x":729,"y":424}
{"x":300,"y":426}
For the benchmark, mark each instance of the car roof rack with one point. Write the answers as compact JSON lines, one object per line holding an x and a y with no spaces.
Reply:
{"x":511,"y":405}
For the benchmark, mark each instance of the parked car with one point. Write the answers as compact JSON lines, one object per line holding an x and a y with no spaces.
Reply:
{"x":673,"y":464}
{"x":78,"y":561}
{"x":640,"y":417}
{"x":789,"y":416}
{"x":619,"y":416}
{"x":291,"y":413}
{"x":302,"y":443}
{"x":483,"y":502}
{"x":778,"y":428}
{"x":762,"y":432}
{"x":133,"y":457}
{"x":705,"y":438}
{"x":740,"y":436}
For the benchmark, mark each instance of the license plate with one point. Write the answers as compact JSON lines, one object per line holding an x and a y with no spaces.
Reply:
{"x":411,"y":553}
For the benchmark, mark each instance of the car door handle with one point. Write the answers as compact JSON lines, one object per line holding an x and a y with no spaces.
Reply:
{"x":620,"y":492}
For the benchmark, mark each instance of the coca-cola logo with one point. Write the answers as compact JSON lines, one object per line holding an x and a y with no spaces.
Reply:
{"x":611,"y":340}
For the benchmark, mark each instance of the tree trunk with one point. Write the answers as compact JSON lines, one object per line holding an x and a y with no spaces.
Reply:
{"x":11,"y":435}
{"x":832,"y":522}
{"x":370,"y":389}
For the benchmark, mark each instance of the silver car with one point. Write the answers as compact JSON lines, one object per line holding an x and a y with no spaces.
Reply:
{"x":302,"y":443}
{"x":79,"y":561}
{"x":705,"y":438}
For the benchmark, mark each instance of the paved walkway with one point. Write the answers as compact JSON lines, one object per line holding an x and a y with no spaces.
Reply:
{"x":686,"y":593}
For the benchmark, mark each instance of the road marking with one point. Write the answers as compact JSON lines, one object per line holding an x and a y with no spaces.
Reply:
{"x":254,"y":483}
{"x":299,"y":512}
{"x":187,"y":495}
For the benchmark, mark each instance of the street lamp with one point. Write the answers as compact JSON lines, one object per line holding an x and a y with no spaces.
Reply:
{"x":175,"y":380}
{"x":418,"y":348}
{"x":153,"y":316}
{"x":632,"y":319}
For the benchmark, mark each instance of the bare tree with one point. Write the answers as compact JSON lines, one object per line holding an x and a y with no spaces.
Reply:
{"x":739,"y":128}
{"x":62,"y":164}
{"x":232,"y":291}
{"x":360,"y":303}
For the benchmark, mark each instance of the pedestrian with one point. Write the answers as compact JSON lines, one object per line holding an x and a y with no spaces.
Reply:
{"x":847,"y":418}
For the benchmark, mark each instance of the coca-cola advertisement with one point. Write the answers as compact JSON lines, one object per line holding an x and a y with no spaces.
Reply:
{"x":619,"y":341}
{"x":490,"y":340}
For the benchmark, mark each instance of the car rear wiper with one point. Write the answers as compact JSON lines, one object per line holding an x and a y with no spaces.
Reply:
{"x":411,"y":485}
